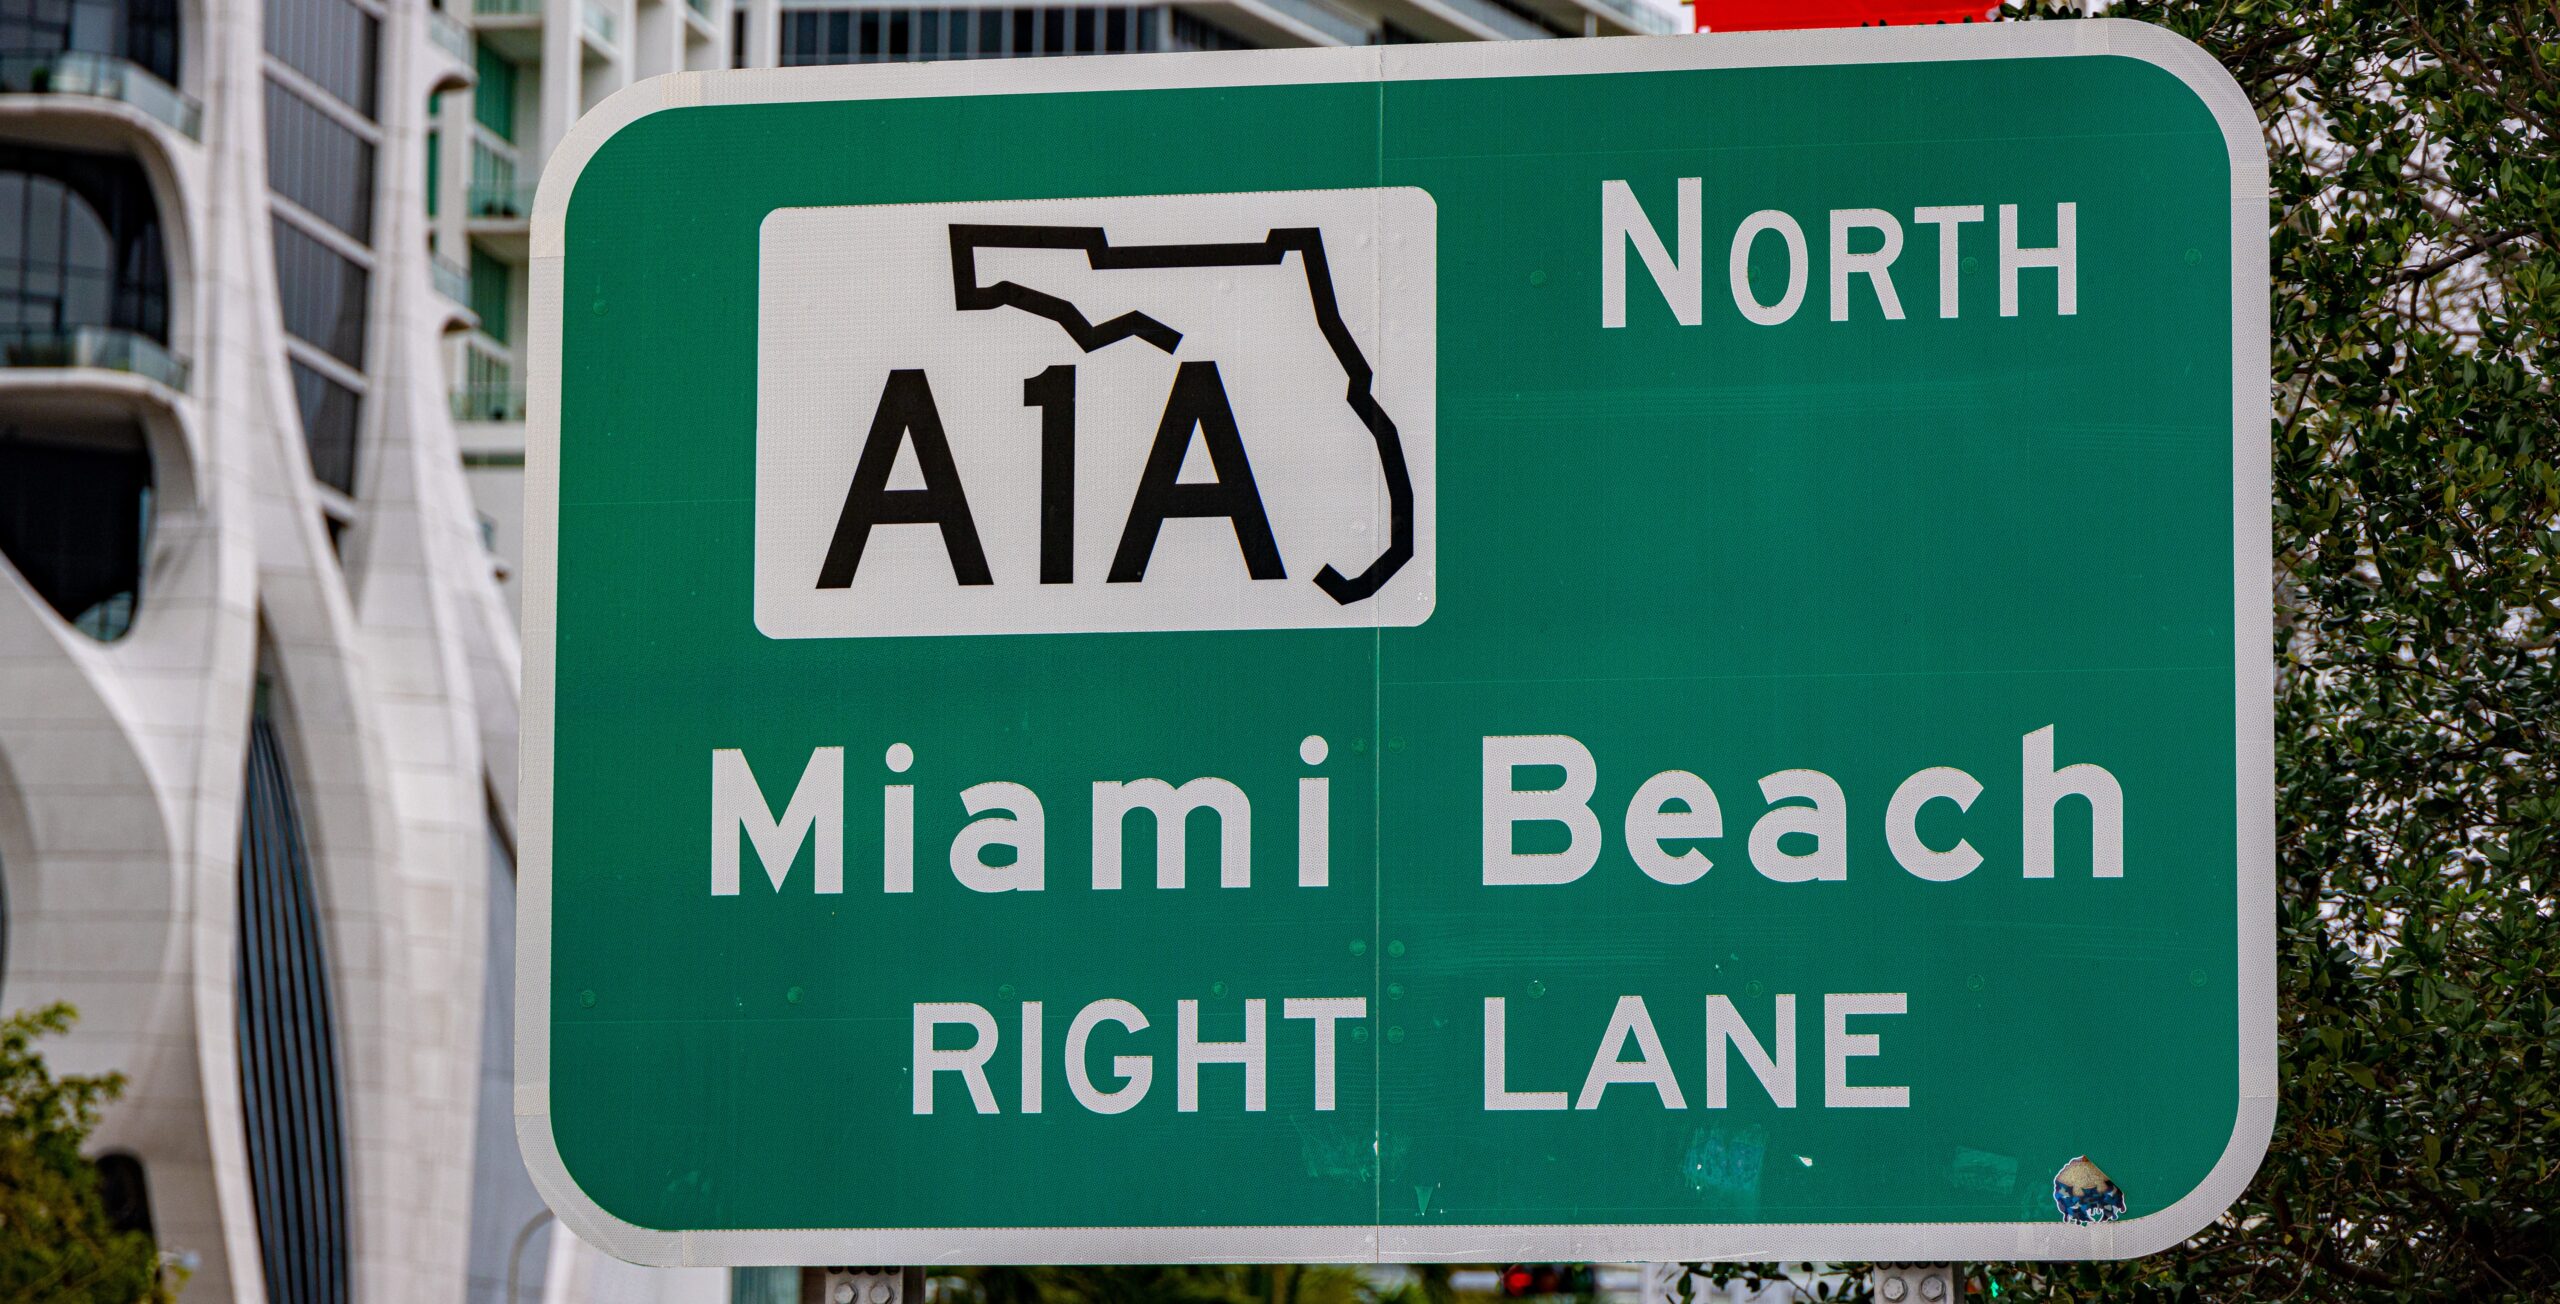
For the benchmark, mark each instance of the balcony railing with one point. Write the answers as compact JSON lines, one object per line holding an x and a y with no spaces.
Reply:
{"x":1508,"y":25}
{"x":450,"y":35}
{"x":501,"y":201}
{"x":495,"y":192}
{"x":598,"y":21}
{"x":452,"y":279}
{"x":506,"y":8}
{"x":78,"y":72}
{"x":497,"y":400}
{"x":102,"y":347}
{"x":490,"y":389}
{"x":1645,"y":16}
{"x":1332,"y":20}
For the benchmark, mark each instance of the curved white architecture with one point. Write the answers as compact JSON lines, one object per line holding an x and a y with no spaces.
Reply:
{"x":256,"y":680}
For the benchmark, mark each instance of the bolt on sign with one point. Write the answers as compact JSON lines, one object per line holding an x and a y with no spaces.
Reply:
{"x":1628,"y":649}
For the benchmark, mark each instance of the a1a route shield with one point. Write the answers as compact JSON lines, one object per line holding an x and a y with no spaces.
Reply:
{"x":1632,"y":649}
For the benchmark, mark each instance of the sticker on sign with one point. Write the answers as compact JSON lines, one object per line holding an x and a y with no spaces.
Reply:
{"x":1165,"y":412}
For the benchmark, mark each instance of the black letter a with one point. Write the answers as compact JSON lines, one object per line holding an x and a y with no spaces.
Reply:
{"x":1199,"y":402}
{"x":906,"y":409}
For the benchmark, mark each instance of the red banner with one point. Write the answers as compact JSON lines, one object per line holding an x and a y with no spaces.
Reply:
{"x":1777,"y":15}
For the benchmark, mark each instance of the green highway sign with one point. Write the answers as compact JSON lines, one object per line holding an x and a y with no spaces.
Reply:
{"x":1630,"y":649}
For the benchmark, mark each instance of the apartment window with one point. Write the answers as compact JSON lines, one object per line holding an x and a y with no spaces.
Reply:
{"x":435,"y":152}
{"x":503,"y":1201}
{"x":318,"y":162}
{"x":329,"y":420}
{"x":899,"y":35}
{"x":322,"y":158}
{"x":79,"y":245}
{"x":489,"y":279}
{"x":1191,"y":33}
{"x":490,"y":390}
{"x":493,"y":100}
{"x":288,"y":1038}
{"x":143,"y":32}
{"x":323,"y":293}
{"x":75,"y":517}
{"x":332,"y":42}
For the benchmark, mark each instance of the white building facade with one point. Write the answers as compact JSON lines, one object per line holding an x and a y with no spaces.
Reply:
{"x":257,"y":681}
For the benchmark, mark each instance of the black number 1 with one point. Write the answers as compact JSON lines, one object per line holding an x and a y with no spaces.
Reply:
{"x":1054,"y":393}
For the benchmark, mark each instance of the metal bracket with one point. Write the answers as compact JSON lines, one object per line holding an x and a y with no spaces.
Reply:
{"x":862,"y":1286}
{"x":1913,"y":1283}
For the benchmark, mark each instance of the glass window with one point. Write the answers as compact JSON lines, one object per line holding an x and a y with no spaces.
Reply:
{"x":42,"y":26}
{"x":149,"y":36}
{"x":288,"y":1038}
{"x":1193,"y":33}
{"x":332,"y":42}
{"x":493,"y":100}
{"x":494,"y":192}
{"x":503,"y":1201}
{"x":315,"y":161}
{"x":142,"y":31}
{"x":824,"y":36}
{"x":75,"y":518}
{"x":323,"y":293}
{"x":79,"y":245}
{"x":329,"y":412}
{"x":489,"y":279}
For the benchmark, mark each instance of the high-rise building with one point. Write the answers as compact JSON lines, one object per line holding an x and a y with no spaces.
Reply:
{"x":257,"y":685}
{"x":535,"y":66}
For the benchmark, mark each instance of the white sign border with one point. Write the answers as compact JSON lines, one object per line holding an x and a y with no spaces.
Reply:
{"x":2252,"y":630}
